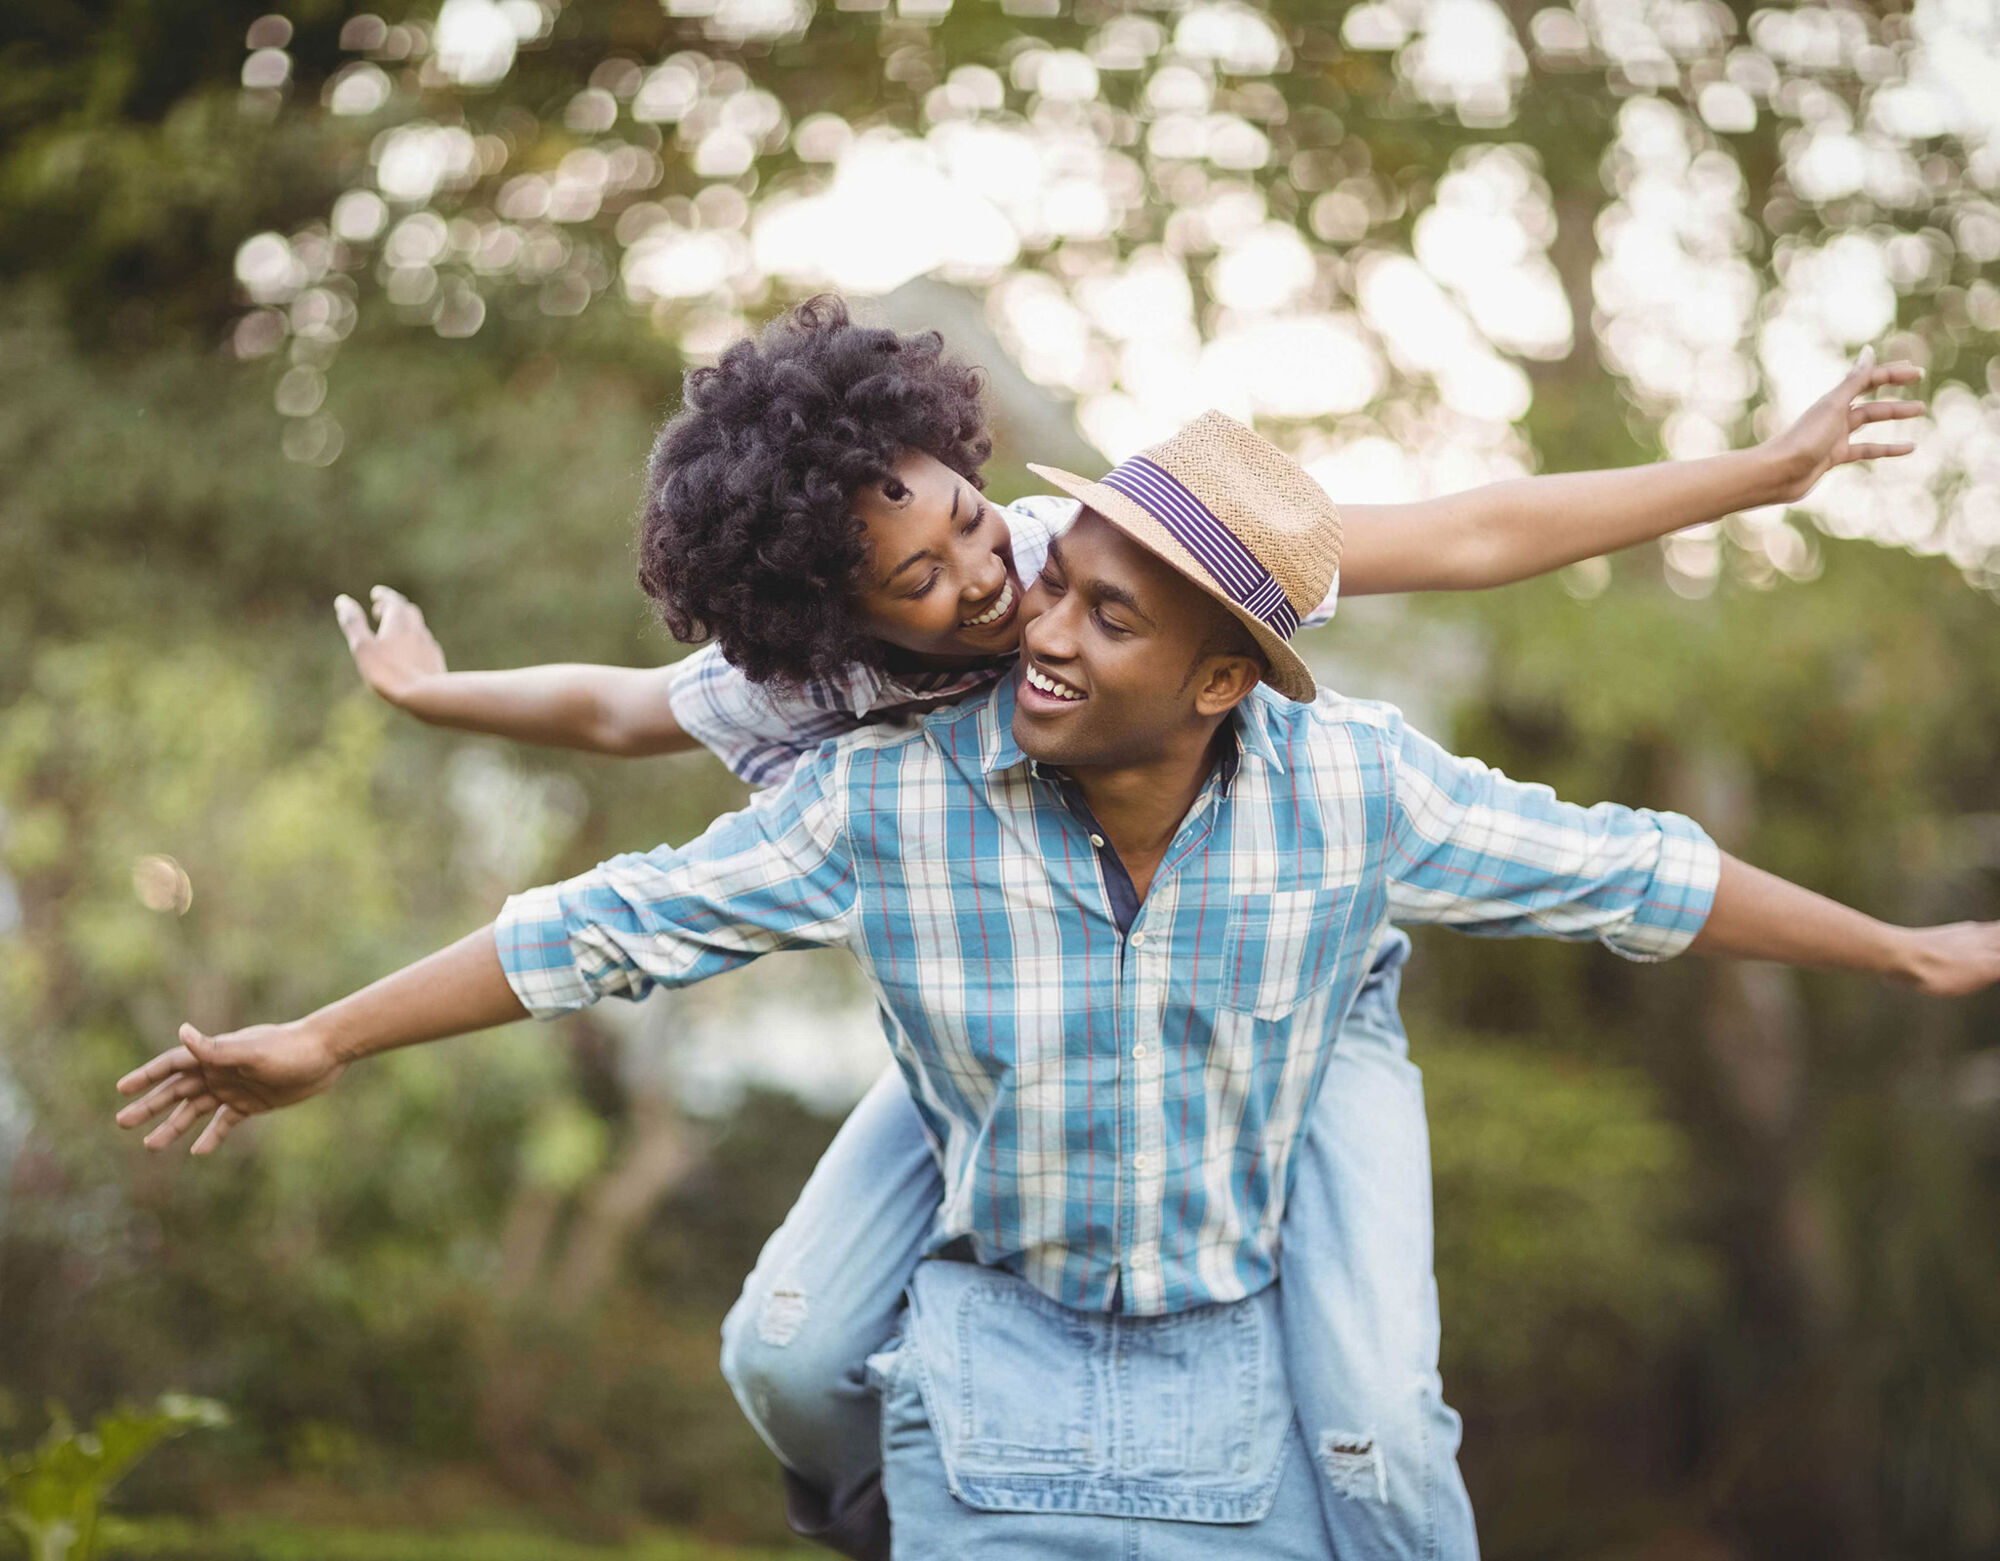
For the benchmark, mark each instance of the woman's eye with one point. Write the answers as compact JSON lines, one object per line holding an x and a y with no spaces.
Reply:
{"x":974,"y":521}
{"x":924,"y":590}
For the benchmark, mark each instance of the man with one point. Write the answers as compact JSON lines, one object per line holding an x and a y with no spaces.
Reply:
{"x":1113,"y":911}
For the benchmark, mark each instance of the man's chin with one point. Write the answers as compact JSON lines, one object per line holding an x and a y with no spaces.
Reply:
{"x":1034,"y":739}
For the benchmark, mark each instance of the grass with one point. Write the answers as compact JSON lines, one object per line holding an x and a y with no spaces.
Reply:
{"x":268,"y":1539}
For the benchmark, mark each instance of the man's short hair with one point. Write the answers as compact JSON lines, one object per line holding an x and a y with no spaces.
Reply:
{"x":1225,"y":635}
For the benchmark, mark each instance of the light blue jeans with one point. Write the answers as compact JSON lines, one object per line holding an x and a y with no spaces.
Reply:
{"x":1358,"y":1310}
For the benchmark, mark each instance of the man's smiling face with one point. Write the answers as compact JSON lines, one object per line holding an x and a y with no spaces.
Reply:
{"x":1123,"y":659}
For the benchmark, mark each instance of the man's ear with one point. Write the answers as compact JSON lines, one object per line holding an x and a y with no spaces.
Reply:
{"x":1224,"y":682}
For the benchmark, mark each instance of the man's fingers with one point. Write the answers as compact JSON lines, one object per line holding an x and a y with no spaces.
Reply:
{"x":186,"y":1114}
{"x":177,"y":1088}
{"x":1871,"y":452}
{"x":140,"y":1079}
{"x":218,"y":1129}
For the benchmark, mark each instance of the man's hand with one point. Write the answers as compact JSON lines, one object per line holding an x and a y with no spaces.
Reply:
{"x":1823,"y":438}
{"x":235,"y":1076}
{"x":398,"y":655}
{"x":1953,"y":961}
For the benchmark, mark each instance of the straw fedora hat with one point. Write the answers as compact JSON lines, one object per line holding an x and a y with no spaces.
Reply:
{"x":1238,"y":517}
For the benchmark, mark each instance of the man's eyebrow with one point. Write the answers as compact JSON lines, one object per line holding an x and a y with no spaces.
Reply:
{"x":1123,"y":597}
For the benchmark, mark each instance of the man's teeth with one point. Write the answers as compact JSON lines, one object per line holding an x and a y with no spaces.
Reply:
{"x":1051,"y":687}
{"x":994,"y":613}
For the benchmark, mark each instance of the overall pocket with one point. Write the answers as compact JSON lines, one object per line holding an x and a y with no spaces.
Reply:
{"x":1028,"y":1398}
{"x":1038,"y":1408}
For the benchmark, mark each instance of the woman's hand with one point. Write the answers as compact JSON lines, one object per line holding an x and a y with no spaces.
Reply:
{"x":399,"y":655}
{"x":1823,"y":437}
{"x":234,"y":1076}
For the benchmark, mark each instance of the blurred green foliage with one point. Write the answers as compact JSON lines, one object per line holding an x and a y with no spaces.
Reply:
{"x":53,"y":1495}
{"x":1714,"y":1246}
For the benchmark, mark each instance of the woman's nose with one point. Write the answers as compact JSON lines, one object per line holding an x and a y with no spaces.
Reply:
{"x":984,"y":577}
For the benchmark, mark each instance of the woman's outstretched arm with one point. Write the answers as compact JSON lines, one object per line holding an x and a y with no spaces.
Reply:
{"x":624,"y":711}
{"x":1511,"y":531}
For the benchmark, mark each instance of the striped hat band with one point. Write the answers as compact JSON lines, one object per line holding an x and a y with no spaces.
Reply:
{"x":1212,"y":544}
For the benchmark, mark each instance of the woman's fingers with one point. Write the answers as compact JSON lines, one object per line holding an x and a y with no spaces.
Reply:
{"x":352,"y":620}
{"x":390,"y":605}
{"x":1870,"y":452}
{"x":394,"y":611}
{"x":1867,"y":374}
{"x":1893,"y":374}
{"x":1882,"y":411}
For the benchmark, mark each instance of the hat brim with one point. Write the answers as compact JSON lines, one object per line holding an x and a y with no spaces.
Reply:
{"x":1286,"y":671}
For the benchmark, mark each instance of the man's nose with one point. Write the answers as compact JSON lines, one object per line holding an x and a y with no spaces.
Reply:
{"x":1048,"y":629}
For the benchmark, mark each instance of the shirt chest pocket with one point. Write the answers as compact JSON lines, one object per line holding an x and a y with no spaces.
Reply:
{"x":1282,"y":948}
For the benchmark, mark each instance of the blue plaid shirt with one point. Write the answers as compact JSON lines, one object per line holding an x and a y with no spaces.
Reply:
{"x":1115,"y":1091}
{"x":761,"y":730}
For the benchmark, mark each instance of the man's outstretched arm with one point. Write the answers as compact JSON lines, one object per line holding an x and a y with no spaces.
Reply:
{"x":771,"y":877}
{"x":1758,"y":915}
{"x":452,"y":992}
{"x":1493,"y":857}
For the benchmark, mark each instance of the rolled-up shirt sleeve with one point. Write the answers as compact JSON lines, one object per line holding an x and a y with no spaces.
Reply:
{"x":1471,"y":849}
{"x":772,"y":877}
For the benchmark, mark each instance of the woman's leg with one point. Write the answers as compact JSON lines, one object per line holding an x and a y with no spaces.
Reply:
{"x":1360,"y":1302}
{"x":826,"y":1292}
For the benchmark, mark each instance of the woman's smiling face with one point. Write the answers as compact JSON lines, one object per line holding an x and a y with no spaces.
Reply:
{"x":940,"y":581}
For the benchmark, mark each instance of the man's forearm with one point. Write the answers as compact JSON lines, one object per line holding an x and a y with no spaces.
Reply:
{"x":454,"y":991}
{"x":1758,"y":915}
{"x":597,"y":709}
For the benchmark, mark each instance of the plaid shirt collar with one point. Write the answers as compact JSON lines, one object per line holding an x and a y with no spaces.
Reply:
{"x":866,"y":689}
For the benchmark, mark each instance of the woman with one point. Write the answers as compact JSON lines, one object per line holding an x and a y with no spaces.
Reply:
{"x":815,"y":509}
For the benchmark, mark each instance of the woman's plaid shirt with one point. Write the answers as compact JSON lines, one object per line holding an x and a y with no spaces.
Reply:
{"x":1115,"y":1111}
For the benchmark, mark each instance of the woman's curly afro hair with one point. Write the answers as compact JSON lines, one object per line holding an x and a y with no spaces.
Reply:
{"x":748,"y":535}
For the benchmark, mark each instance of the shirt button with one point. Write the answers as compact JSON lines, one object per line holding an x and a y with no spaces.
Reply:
{"x":1098,"y":841}
{"x":1139,"y":1052}
{"x":1138,"y":940}
{"x":1142,"y":1163}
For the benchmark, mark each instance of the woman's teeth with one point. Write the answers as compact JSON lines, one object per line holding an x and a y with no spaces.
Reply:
{"x":1050,"y":686}
{"x":993,"y":614}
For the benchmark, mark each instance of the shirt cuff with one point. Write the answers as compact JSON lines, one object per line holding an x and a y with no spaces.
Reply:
{"x":532,"y":934}
{"x":1677,"y":902}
